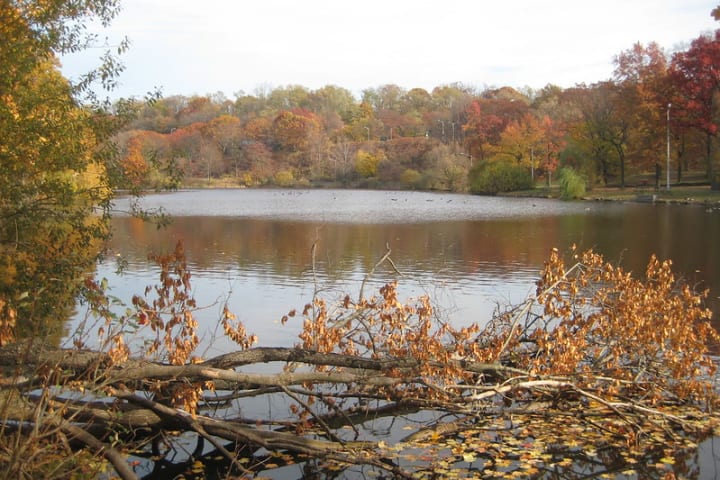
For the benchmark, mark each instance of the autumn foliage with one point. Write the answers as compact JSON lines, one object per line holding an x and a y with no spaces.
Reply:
{"x":592,"y":333}
{"x":623,"y":360}
{"x":593,"y":323}
{"x":600,"y":371}
{"x":613,"y":132}
{"x":651,"y":334}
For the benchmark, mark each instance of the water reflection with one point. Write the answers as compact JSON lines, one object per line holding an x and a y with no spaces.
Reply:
{"x":252,"y":248}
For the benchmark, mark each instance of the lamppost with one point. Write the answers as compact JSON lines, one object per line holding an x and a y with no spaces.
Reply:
{"x":532,"y":164}
{"x":668,"y":147}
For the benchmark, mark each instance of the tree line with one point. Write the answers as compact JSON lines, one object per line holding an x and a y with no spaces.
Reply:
{"x":621,"y":361}
{"x":608,"y":131}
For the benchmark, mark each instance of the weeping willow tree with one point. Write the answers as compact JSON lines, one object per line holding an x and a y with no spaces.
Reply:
{"x":55,"y":187}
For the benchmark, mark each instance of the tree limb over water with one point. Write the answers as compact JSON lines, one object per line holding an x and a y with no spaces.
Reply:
{"x":597,"y":370}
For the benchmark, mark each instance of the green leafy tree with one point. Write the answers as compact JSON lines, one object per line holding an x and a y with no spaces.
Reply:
{"x":411,"y":178}
{"x":490,"y":178}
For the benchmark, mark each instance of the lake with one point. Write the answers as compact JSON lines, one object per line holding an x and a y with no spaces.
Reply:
{"x":253,"y":249}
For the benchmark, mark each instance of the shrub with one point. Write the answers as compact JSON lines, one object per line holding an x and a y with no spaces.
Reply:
{"x":496,"y":177}
{"x":284,"y":178}
{"x":247,"y":179}
{"x":572,"y":184}
{"x":411,"y":178}
{"x":366,"y":164}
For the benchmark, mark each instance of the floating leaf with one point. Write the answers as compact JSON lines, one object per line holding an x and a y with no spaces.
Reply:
{"x":198,"y":467}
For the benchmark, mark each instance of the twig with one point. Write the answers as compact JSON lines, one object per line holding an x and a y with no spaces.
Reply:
{"x":269,"y":439}
{"x":372,"y":270}
{"x":232,"y":458}
{"x":516,"y":320}
{"x":630,"y":406}
{"x":526,"y":308}
{"x":339,"y":411}
{"x":614,"y":406}
{"x":322,"y":423}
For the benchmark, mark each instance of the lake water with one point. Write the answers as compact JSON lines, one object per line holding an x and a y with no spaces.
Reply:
{"x":253,"y":250}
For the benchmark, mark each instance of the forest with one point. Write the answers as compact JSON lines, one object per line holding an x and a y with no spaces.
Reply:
{"x":612,"y":132}
{"x":599,"y":371}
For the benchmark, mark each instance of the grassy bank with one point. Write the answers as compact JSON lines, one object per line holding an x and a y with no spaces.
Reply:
{"x":677,"y":194}
{"x":685,"y":194}
{"x":694,"y":189}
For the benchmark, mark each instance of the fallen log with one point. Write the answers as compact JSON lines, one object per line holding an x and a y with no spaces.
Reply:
{"x":109,"y":409}
{"x":622,"y":363}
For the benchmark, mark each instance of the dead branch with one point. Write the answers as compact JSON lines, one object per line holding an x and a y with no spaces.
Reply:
{"x":113,"y":456}
{"x":626,"y":360}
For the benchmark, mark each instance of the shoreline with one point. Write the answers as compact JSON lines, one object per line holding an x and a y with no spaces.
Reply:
{"x":698,"y":195}
{"x":681,"y":195}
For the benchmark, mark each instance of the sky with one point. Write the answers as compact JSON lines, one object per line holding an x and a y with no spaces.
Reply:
{"x":191,"y":47}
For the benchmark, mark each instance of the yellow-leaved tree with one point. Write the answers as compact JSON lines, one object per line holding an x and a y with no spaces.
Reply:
{"x":55,"y":190}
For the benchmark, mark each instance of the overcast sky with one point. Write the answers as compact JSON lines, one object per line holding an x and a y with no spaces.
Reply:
{"x":192,"y":47}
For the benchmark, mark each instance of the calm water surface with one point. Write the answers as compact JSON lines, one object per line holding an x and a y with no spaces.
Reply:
{"x":252,"y":249}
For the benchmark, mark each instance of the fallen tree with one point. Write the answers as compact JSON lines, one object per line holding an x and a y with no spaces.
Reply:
{"x":598,"y":372}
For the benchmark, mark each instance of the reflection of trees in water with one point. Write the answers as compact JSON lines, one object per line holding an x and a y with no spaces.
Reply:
{"x":285,"y":246}
{"x":453,"y":250}
{"x":55,"y":275}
